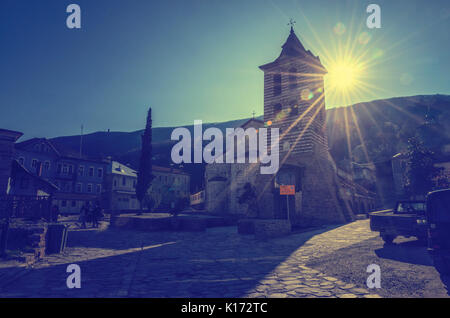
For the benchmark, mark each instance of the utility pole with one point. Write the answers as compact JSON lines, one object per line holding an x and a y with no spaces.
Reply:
{"x":81,"y":141}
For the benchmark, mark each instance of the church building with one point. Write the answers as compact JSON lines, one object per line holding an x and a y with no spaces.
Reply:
{"x":294,"y":102}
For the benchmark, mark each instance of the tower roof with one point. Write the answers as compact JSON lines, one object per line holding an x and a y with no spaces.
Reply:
{"x":293,"y":48}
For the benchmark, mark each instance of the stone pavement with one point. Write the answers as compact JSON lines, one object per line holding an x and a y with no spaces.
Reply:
{"x":215,"y":263}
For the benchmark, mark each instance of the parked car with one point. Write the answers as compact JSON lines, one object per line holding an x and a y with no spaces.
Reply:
{"x":438,"y":220}
{"x":408,"y":219}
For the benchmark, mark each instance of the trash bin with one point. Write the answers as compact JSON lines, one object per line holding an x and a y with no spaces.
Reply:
{"x":56,"y":238}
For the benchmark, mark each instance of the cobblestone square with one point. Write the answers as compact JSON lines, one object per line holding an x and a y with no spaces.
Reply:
{"x":215,"y":263}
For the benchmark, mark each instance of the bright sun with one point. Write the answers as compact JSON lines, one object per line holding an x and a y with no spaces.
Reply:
{"x":343,"y":76}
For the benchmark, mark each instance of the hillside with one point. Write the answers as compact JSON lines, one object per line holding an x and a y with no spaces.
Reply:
{"x":377,"y":130}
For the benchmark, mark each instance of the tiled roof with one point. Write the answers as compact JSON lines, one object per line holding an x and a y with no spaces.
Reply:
{"x":119,"y":168}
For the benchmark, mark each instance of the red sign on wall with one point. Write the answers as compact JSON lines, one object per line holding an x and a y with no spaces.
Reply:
{"x":287,"y":189}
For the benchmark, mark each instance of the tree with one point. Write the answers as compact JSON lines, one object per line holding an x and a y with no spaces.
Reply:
{"x":144,"y":175}
{"x":249,"y":197}
{"x":421,"y":171}
{"x":152,"y":198}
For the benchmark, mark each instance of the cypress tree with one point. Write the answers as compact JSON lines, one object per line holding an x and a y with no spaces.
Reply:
{"x":144,"y":175}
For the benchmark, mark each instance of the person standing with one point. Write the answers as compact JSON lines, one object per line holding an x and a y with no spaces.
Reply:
{"x":96,"y":214}
{"x":55,"y":213}
{"x":83,"y":215}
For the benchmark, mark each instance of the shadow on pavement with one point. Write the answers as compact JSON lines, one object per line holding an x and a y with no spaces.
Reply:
{"x":217,"y":263}
{"x":413,"y":252}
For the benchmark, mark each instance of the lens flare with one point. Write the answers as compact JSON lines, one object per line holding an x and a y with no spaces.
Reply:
{"x":339,"y":28}
{"x":364,"y":38}
{"x":306,"y":94}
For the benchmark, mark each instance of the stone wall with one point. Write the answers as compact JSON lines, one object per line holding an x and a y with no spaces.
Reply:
{"x":169,"y":223}
{"x":27,"y":237}
{"x":266,"y":229}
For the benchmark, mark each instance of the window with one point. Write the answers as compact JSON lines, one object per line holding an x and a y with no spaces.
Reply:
{"x":124,"y":181}
{"x":91,"y":171}
{"x":70,"y":169}
{"x":277,"y":84}
{"x":68,"y":187}
{"x":65,"y":169}
{"x":276,"y":109}
{"x":100,"y":172}
{"x":115,"y":182}
{"x":99,"y":188}
{"x":74,"y":204}
{"x":22,"y":160}
{"x":34,"y":163}
{"x":89,"y":188}
{"x":78,"y":187}
{"x":81,"y":171}
{"x":47,"y":166}
{"x":63,"y":203}
{"x":134,"y":184}
{"x":59,"y":168}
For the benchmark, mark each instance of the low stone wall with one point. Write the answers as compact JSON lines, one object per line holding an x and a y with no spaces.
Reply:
{"x":264,"y":228}
{"x":28,"y":237}
{"x":246,"y":226}
{"x":178,"y":223}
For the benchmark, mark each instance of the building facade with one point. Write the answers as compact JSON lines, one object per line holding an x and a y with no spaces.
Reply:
{"x":79,"y":179}
{"x":120,"y":188}
{"x":26,"y":183}
{"x":167,"y":186}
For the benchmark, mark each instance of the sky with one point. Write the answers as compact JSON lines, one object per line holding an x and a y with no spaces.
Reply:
{"x":198,"y":59}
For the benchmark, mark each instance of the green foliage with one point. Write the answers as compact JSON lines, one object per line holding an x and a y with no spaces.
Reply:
{"x":144,"y":174}
{"x":152,"y":199}
{"x":421,"y":171}
{"x":250,"y":198}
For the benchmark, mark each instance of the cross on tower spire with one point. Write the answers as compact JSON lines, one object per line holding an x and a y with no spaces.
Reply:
{"x":291,"y":23}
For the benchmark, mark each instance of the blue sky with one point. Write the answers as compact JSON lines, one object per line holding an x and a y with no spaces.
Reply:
{"x":195,"y":59}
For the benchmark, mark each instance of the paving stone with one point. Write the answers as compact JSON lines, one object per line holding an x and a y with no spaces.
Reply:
{"x":278,"y":295}
{"x":359,"y":291}
{"x":348,"y":296}
{"x":348,"y":286}
{"x":372,"y":296}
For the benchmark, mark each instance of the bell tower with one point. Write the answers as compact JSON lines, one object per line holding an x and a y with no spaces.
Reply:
{"x":294,"y":99}
{"x":294,"y":102}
